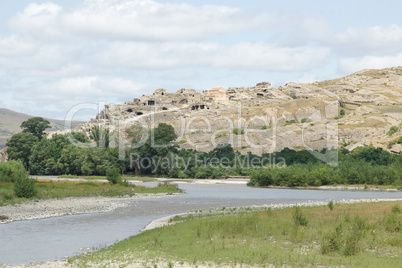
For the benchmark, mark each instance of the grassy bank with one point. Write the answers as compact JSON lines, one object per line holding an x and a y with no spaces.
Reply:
{"x":47,"y":189}
{"x":125,"y":177}
{"x":353,"y":235}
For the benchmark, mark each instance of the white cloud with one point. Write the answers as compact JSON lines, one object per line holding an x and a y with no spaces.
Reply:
{"x":134,"y":19}
{"x":377,"y":40}
{"x":57,"y":97}
{"x":268,"y":57}
{"x":39,"y":20}
{"x":91,"y":86}
{"x":14,"y":46}
{"x":353,"y":64}
{"x":243,"y":55}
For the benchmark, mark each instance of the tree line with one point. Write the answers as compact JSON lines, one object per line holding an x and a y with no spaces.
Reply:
{"x":160,"y":155}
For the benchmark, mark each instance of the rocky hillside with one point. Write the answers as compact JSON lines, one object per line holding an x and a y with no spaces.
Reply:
{"x":10,"y":123}
{"x":351,"y":111}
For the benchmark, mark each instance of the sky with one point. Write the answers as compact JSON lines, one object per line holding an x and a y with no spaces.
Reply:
{"x":56,"y":56}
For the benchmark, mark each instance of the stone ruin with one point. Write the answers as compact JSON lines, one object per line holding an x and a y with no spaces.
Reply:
{"x":187,"y":100}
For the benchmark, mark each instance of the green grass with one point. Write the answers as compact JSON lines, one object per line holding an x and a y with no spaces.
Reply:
{"x":48,"y":189}
{"x":351,"y":235}
{"x":125,"y":177}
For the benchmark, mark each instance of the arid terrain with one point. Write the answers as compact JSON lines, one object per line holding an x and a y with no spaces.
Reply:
{"x":351,"y":111}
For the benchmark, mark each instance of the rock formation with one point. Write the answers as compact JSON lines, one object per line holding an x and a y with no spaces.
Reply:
{"x":294,"y":115}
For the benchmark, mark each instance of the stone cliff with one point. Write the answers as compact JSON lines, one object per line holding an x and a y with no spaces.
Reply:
{"x":355,"y":110}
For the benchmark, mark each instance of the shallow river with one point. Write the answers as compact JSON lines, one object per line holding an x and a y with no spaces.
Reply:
{"x":55,"y":238}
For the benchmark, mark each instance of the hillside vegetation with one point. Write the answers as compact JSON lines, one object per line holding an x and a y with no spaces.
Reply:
{"x":10,"y":122}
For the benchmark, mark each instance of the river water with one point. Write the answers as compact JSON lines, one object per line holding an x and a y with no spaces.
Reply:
{"x":23,"y":242}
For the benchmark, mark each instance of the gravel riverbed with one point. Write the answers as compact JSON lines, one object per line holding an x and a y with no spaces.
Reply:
{"x":40,"y":209}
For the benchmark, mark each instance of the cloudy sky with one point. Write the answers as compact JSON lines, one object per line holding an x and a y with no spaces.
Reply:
{"x":55,"y":55}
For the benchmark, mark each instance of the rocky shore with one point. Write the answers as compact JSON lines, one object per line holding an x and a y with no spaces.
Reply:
{"x":40,"y":209}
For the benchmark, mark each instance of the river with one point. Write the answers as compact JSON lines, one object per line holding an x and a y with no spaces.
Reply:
{"x":43,"y":240}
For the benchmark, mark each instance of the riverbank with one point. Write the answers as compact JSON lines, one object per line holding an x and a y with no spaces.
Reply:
{"x":40,"y":209}
{"x":355,"y":233}
{"x":144,"y":259}
{"x":240,"y":180}
{"x":173,"y":219}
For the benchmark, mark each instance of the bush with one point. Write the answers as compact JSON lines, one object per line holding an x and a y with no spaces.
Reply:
{"x":238,"y":131}
{"x":307,"y":120}
{"x":346,"y":237}
{"x":331,"y":205}
{"x":10,"y":170}
{"x":290,"y":122}
{"x":342,"y":112}
{"x":392,"y":222}
{"x":23,"y":186}
{"x":113,"y":176}
{"x":393,"y":130}
{"x":265,"y":127}
{"x":396,"y":209}
{"x":299,"y":218}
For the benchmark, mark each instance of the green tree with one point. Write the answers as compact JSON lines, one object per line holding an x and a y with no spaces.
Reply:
{"x":45,"y":155}
{"x":100,"y":135}
{"x":157,"y":148}
{"x":163,"y":134}
{"x":36,"y":126}
{"x":19,"y":147}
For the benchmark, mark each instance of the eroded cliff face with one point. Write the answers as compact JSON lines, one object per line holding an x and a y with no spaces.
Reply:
{"x":355,"y":110}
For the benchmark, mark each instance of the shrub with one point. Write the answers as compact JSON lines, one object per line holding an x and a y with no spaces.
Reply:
{"x":299,"y":218}
{"x":238,"y":131}
{"x":23,"y":186}
{"x":182,"y":175}
{"x":7,"y":196}
{"x":265,"y":127}
{"x":307,"y":120}
{"x":290,"y":122}
{"x":393,"y":130}
{"x":10,"y":170}
{"x":331,"y":205}
{"x":392,"y":222}
{"x":113,"y":176}
{"x":392,"y":143}
{"x":396,"y":209}
{"x":342,"y":112}
{"x":345,"y":237}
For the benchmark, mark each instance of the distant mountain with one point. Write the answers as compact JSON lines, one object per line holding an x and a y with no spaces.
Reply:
{"x":10,"y":122}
